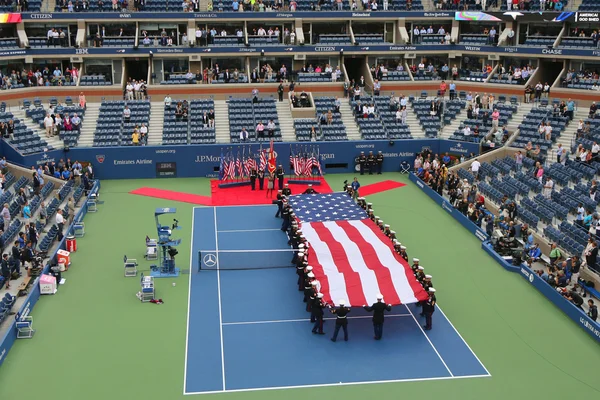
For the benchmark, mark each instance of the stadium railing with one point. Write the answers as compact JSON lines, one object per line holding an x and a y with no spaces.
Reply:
{"x":32,"y":298}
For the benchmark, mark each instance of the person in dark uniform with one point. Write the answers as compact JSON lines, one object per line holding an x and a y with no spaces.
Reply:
{"x":253,"y":175}
{"x":280,"y":91}
{"x":317,"y":314}
{"x":386,"y":230}
{"x":371,"y":215}
{"x":286,"y":190}
{"x":308,"y":288}
{"x":378,"y":309}
{"x":403,"y":253}
{"x":5,"y":270}
{"x":420,"y":275}
{"x":593,"y":310}
{"x":300,"y":268}
{"x":280,"y":174}
{"x":279,"y":202}
{"x":380,"y":225}
{"x":310,"y":190}
{"x":371,"y":163}
{"x":362,"y":161}
{"x":429,"y":308}
{"x":426,"y":285}
{"x":392,"y":235}
{"x":261,"y":179}
{"x":415,"y":265}
{"x":341,"y":312}
{"x":286,"y":214}
{"x":379,"y":161}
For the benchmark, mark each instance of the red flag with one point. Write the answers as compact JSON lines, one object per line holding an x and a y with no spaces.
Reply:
{"x":272,"y":159}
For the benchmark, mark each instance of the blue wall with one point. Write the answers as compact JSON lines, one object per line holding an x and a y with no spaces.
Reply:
{"x":577,"y":315}
{"x":11,"y":335}
{"x":201,"y":160}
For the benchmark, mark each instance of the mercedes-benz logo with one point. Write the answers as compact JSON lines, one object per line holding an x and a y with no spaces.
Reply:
{"x":210,"y":260}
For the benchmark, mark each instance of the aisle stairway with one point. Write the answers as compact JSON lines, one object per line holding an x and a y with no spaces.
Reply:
{"x":88,"y":126}
{"x":222,"y":122}
{"x":352,"y":130}
{"x":286,"y":121}
{"x":156,"y":124}
{"x":568,"y":136}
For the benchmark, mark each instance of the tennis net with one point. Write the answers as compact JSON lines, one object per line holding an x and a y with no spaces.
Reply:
{"x":244,"y":259}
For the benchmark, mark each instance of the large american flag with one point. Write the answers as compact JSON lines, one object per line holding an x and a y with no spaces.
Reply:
{"x":352,"y":259}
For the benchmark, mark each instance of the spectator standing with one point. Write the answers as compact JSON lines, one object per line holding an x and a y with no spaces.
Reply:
{"x":475,"y":165}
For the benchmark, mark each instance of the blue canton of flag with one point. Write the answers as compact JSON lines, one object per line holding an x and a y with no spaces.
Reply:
{"x":326,"y":207}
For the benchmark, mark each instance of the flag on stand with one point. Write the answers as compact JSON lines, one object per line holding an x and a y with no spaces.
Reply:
{"x":263,"y":159}
{"x":221,"y":166}
{"x":231,"y":166}
{"x":295,"y":162}
{"x":351,"y":257}
{"x":308,"y":166}
{"x":238,"y":166}
{"x":272,"y":159}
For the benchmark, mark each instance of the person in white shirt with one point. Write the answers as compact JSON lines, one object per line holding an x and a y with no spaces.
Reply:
{"x":548,"y":131}
{"x":168,"y":101}
{"x":143,"y":133}
{"x":260,"y":130}
{"x":60,"y":222}
{"x":416,"y":36}
{"x":467,"y":131}
{"x":243,"y":135}
{"x":136,"y":90}
{"x":129,"y":91}
{"x":475,"y":167}
{"x":548,"y":186}
{"x":126,"y":114}
{"x":49,"y":125}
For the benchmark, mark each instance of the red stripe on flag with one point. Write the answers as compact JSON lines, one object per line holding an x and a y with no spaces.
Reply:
{"x":353,"y":283}
{"x":369,"y":255}
{"x":319,"y":272}
{"x":416,"y":287}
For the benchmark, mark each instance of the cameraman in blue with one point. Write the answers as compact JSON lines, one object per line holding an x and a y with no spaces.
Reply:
{"x":355,"y":186}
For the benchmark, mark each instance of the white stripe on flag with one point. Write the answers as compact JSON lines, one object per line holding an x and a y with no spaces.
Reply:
{"x":337,"y":283}
{"x":368,"y":279}
{"x":387,"y":258}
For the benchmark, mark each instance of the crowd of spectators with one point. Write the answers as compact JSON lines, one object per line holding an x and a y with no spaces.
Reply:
{"x":45,"y":77}
{"x":55,"y":122}
{"x":135,"y":90}
{"x":519,"y":74}
{"x":419,"y":31}
{"x":582,"y":76}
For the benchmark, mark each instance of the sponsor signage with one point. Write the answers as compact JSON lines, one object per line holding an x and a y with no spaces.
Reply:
{"x":166,"y":169}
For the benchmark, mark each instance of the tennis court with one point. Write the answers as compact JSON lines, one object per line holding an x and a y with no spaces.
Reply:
{"x":248,"y":329}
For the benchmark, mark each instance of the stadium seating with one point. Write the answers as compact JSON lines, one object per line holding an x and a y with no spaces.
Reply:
{"x":577,"y":43}
{"x":178,"y":79}
{"x":243,"y":113}
{"x":94,"y":80}
{"x":38,"y":113}
{"x":589,"y":5}
{"x":528,"y":129}
{"x":396,"y":76}
{"x":369,"y":38}
{"x":384,"y":124}
{"x":506,"y":113}
{"x":9,"y":44}
{"x":473,"y":40}
{"x":111,"y":130}
{"x":24,"y":140}
{"x":198,"y":133}
{"x":431,"y":124}
{"x":539,"y":41}
{"x":474,"y":76}
{"x":175,"y":131}
{"x":317,"y":77}
{"x":335,"y":131}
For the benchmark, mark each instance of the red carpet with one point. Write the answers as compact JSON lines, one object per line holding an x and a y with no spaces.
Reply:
{"x":379,"y":187}
{"x":175,"y":196}
{"x":242,"y":195}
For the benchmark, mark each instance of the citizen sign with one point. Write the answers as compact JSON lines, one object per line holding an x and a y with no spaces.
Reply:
{"x":41,"y":16}
{"x":325,"y":48}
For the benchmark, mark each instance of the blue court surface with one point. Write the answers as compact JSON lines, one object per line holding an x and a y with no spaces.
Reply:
{"x":249,"y":329}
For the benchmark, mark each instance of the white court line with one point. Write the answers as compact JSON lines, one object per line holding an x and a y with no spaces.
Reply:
{"x":219,"y":295}
{"x":249,"y":230}
{"x":187,"y":327}
{"x":464,"y":341}
{"x":429,"y":340}
{"x":440,"y":378}
{"x":304,"y":320}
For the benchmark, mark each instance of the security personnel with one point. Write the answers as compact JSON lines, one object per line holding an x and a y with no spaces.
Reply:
{"x":309,"y":190}
{"x":286,"y":190}
{"x":280,"y":174}
{"x":261,"y":179}
{"x":253,"y":175}
{"x":371,"y":163}
{"x":362,"y":162}
{"x":317,"y":314}
{"x":379,"y":161}
{"x":341,"y":312}
{"x":279,"y":202}
{"x":429,"y":308}
{"x":378,"y":309}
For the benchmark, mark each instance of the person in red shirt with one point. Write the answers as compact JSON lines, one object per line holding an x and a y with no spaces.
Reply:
{"x":443,"y":88}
